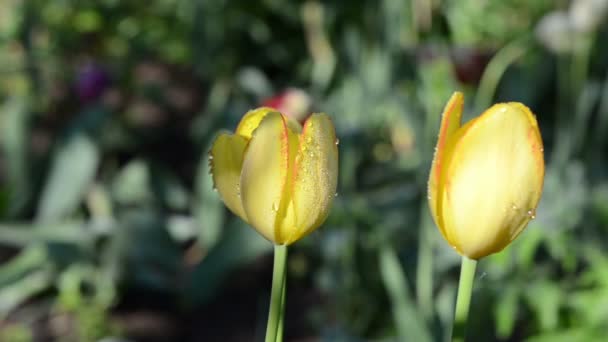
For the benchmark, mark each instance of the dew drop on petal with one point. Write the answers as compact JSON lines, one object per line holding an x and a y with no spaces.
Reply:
{"x":275,"y":207}
{"x":337,"y":141}
{"x":336,"y":194}
{"x":532,"y":214}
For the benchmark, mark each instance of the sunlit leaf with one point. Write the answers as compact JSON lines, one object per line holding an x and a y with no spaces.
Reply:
{"x":72,"y":172}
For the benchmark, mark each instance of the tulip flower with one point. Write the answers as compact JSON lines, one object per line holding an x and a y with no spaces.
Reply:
{"x":280,"y":178}
{"x":485,"y":182}
{"x":276,"y":175}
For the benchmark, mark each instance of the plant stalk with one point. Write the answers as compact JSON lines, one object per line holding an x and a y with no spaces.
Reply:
{"x":463,"y":299}
{"x":274,"y":330}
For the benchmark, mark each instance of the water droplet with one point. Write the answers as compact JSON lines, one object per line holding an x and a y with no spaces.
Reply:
{"x":275,"y":207}
{"x":210,"y":157}
{"x":532,"y":214}
{"x":542,"y":149}
{"x":514,"y":207}
{"x":337,"y":141}
{"x":336,"y":194}
{"x":428,"y":197}
{"x":214,"y":189}
{"x":503,"y":110}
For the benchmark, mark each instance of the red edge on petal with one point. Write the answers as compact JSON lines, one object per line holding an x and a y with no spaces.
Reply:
{"x":535,"y":140}
{"x":285,"y":196}
{"x":455,"y":105}
{"x":443,"y":131}
{"x":297,"y":161}
{"x":536,"y":143}
{"x":285,"y":141}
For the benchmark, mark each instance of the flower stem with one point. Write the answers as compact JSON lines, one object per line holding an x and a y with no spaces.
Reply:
{"x":463,"y":299}
{"x":277,"y":295}
{"x":496,"y":69}
{"x":282,"y":318}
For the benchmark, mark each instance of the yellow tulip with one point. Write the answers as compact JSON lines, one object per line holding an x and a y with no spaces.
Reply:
{"x":486,"y":178}
{"x":278,"y":176}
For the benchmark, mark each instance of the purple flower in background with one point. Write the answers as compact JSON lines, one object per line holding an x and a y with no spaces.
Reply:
{"x":91,"y":82}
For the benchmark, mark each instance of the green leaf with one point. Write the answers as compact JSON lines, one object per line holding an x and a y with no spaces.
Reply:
{"x":14,"y":140}
{"x":527,"y":245}
{"x":14,"y":294}
{"x":545,"y":298}
{"x":72,"y":172}
{"x":132,"y":184}
{"x":147,"y":250}
{"x":28,"y":259}
{"x":569,"y":335}
{"x":21,"y":235}
{"x":505,"y":311}
{"x":168,"y":187}
{"x":239,"y":245}
{"x":408,"y":320}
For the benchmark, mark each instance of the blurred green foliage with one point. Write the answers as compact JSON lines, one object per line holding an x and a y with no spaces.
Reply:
{"x":110,"y":227}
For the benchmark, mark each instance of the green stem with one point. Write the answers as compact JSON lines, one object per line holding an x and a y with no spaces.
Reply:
{"x":496,"y":69}
{"x":282,"y":318}
{"x":275,"y":314}
{"x":463,"y":299}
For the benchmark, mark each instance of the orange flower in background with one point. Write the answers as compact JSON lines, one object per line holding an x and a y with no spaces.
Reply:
{"x":487,"y":176}
{"x":278,"y":176}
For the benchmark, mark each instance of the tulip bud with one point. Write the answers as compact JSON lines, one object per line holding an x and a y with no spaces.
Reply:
{"x":486,"y":178}
{"x":276,"y":175}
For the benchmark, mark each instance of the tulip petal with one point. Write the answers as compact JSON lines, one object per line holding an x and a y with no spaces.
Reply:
{"x":225,"y":161}
{"x":450,"y":123}
{"x":315,"y":176}
{"x":251,"y":120}
{"x":493,"y":180}
{"x":264,"y":175}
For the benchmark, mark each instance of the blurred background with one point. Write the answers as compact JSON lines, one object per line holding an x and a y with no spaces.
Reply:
{"x":109,"y":226}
